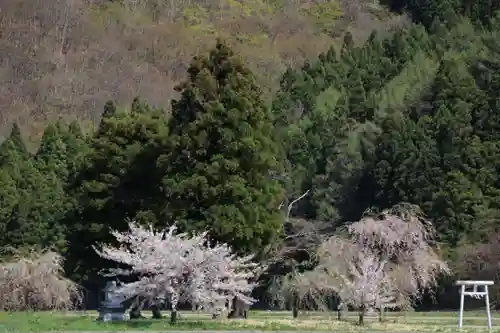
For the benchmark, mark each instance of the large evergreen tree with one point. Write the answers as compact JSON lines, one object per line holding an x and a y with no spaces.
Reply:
{"x":77,"y":148}
{"x":51,"y":156}
{"x":34,"y":201}
{"x":118,"y":181}
{"x":13,"y":148}
{"x":221,"y":159}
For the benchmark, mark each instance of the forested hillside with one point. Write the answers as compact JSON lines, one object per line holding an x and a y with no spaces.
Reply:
{"x":66,"y":58}
{"x":410,"y":116}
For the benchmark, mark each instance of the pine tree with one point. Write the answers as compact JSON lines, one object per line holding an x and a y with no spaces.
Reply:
{"x":9,"y":198}
{"x":357,"y":98}
{"x":406,"y":165}
{"x":41,"y":206}
{"x":457,"y":206}
{"x":13,"y":148}
{"x":77,"y":149}
{"x":109,"y":109}
{"x":35,"y":201}
{"x":348,"y":43}
{"x":51,"y":155}
{"x":17,"y":138}
{"x":221,"y":155}
{"x":118,"y":181}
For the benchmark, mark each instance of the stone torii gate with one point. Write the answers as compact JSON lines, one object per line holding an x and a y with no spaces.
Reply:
{"x":476,"y":294}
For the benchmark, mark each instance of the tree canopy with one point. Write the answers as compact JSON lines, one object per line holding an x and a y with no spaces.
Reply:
{"x":406,"y":117}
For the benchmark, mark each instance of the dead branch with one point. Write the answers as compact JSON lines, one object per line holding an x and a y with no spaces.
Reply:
{"x":302,"y":238}
{"x":290,"y":206}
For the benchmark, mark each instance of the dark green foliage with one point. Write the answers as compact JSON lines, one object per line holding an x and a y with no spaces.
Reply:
{"x":51,"y":155}
{"x":109,"y":109}
{"x":221,"y":157}
{"x":118,"y":181}
{"x":428,"y":12}
{"x":13,"y":148}
{"x":77,"y":149}
{"x":411,"y":117}
{"x":17,"y":139}
{"x":35,"y":202}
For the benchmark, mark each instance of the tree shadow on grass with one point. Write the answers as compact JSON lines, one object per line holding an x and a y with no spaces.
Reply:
{"x":150,"y":323}
{"x":139,"y":324}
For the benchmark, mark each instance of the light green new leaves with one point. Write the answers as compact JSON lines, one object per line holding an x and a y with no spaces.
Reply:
{"x":408,"y":86}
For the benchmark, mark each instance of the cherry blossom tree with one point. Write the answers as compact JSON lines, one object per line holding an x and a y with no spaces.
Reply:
{"x":180,"y":268}
{"x":358,"y":276}
{"x":218,"y":277}
{"x":383,"y":260}
{"x":34,"y":280}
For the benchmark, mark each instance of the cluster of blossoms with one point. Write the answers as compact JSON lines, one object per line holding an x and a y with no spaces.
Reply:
{"x":180,"y":268}
{"x":377,"y":262}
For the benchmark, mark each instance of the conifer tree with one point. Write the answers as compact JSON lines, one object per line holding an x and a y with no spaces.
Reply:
{"x":8,"y":200}
{"x":221,"y":155}
{"x":51,"y":155}
{"x":462,"y":212}
{"x":109,"y":109}
{"x":17,"y":138}
{"x":118,"y":181}
{"x":357,"y":98}
{"x":77,"y":148}
{"x":348,"y":43}
{"x":35,"y":201}
{"x":13,"y":148}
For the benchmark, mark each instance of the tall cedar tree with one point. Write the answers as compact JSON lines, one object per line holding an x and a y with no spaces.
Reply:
{"x":119,"y":181}
{"x":51,"y":155}
{"x":77,"y":148}
{"x":14,"y":144}
{"x":221,"y":155}
{"x":32,"y":202}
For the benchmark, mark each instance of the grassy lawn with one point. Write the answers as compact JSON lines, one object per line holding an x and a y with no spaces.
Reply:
{"x":258,"y":321}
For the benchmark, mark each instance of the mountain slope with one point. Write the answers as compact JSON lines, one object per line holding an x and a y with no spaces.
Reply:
{"x":65,"y":58}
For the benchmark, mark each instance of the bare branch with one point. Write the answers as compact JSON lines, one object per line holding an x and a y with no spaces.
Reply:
{"x":481,"y":262}
{"x":290,"y":206}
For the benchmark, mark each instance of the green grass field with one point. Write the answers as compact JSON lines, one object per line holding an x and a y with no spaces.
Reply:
{"x":258,"y":321}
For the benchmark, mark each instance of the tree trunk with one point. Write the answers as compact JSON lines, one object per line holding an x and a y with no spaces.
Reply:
{"x":174,"y":300}
{"x":155,"y":309}
{"x":295,"y":306}
{"x":229,"y":306}
{"x":381,"y":317}
{"x":173,"y":317}
{"x":239,"y":309}
{"x":135,"y":312}
{"x":340,"y":311}
{"x":295,"y":312}
{"x":361,"y":320}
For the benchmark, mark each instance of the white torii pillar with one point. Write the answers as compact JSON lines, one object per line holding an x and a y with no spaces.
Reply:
{"x":476,"y":294}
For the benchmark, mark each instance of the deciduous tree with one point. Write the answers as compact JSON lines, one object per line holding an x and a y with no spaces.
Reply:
{"x":181,"y":268}
{"x":35,"y":281}
{"x":381,"y":260}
